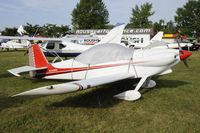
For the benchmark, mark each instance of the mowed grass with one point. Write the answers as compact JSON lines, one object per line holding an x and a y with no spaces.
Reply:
{"x":172,"y":106}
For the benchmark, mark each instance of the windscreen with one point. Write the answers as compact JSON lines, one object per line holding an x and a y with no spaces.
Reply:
{"x":105,"y":53}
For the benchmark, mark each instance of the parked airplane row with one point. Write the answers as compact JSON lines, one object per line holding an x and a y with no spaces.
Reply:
{"x":64,"y":48}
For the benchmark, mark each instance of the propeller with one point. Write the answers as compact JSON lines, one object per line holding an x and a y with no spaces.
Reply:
{"x":183,"y":53}
{"x":183,"y":56}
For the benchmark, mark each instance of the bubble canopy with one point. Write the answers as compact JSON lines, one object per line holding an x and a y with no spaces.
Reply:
{"x":104,"y":53}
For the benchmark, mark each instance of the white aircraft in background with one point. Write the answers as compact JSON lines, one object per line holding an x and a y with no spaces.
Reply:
{"x":15,"y":43}
{"x":101,"y":64}
{"x":156,"y":42}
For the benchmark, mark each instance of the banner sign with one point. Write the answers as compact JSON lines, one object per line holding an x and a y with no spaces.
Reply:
{"x":105,"y":31}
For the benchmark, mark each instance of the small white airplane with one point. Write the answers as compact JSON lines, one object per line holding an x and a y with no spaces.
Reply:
{"x":15,"y":43}
{"x":101,"y":64}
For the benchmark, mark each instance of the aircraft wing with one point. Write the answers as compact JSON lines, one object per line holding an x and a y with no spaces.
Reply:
{"x":157,"y":44}
{"x":30,"y":38}
{"x":76,"y":85}
{"x":23,"y":69}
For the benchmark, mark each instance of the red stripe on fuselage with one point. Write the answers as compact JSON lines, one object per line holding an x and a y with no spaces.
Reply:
{"x":55,"y":71}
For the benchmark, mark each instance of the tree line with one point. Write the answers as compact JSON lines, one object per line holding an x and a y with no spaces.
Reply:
{"x":93,"y":14}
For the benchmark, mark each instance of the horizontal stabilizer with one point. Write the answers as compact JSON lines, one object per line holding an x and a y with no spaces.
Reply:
{"x":75,"y":85}
{"x":23,"y":69}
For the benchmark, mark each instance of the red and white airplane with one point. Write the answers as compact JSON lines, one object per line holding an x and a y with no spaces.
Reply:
{"x":101,"y":64}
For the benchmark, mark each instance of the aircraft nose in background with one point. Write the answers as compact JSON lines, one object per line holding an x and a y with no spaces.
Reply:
{"x":184,"y":54}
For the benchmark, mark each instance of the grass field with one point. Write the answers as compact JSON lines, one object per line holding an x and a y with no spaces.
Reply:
{"x":172,"y":106}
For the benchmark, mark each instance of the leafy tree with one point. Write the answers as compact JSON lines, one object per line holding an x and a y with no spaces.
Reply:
{"x":90,"y":14}
{"x":159,"y":26}
{"x":52,"y":30}
{"x":168,"y":27}
{"x":48,"y":30}
{"x":31,"y":29}
{"x":188,"y":18}
{"x":9,"y":32}
{"x":140,"y":16}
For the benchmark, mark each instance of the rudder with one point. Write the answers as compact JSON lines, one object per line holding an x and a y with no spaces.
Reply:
{"x":36,"y":57}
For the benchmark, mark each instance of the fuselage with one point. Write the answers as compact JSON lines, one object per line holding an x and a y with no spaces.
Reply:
{"x":142,"y":62}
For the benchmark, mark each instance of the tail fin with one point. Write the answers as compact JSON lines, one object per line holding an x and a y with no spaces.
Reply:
{"x":36,"y":57}
{"x":114,"y":36}
{"x":158,"y":36}
{"x":38,"y":64}
{"x":21,"y":30}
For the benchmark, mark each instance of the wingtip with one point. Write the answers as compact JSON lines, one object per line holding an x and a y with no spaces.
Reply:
{"x":13,"y":73}
{"x":16,"y":95}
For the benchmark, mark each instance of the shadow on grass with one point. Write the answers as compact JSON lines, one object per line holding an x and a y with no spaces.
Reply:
{"x":170,"y":83}
{"x":99,"y":97}
{"x":11,"y":102}
{"x":102,"y":97}
{"x":5,"y":75}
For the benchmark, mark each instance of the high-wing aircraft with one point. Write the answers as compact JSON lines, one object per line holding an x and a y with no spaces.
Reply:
{"x":101,"y":64}
{"x":63,"y":47}
{"x":66,"y":48}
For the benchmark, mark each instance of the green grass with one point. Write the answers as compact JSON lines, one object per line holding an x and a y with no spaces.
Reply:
{"x":172,"y":106}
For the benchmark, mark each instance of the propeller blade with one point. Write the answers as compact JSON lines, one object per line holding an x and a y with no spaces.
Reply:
{"x":184,"y":55}
{"x":186,"y":63}
{"x":26,"y":52}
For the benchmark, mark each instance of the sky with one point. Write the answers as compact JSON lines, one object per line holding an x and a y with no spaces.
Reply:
{"x":19,"y":12}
